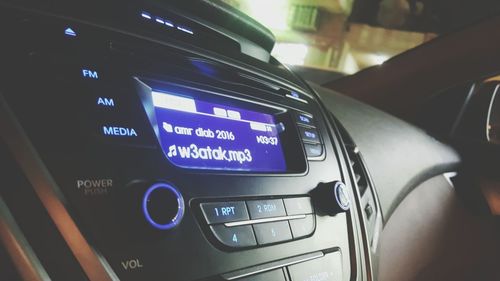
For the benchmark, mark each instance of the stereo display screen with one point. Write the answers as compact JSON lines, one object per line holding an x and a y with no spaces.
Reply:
{"x":198,"y":134}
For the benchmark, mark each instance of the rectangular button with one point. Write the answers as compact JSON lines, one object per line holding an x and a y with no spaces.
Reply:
{"x":298,"y":206}
{"x":110,"y":98}
{"x":221,"y":212}
{"x":97,"y":71}
{"x":105,"y":102}
{"x":130,"y":127}
{"x":295,"y":96}
{"x":302,"y":227}
{"x":304,"y":119}
{"x":272,"y":232}
{"x":266,"y":208}
{"x":124,"y":133}
{"x":313,"y":150}
{"x":327,"y":268}
{"x":274,"y":275}
{"x":236,"y":237}
{"x":368,"y":211}
{"x":308,"y":134}
{"x":119,"y":130}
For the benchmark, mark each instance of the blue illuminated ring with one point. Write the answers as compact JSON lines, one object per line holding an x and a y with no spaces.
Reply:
{"x":180,"y":211}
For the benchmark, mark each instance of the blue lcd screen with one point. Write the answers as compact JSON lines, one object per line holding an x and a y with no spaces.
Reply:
{"x":198,"y":134}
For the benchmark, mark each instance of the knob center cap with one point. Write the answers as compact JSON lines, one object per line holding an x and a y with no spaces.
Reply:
{"x":342,"y":196}
{"x":163,"y":206}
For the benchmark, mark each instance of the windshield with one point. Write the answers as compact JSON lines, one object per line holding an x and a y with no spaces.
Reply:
{"x":346,"y":36}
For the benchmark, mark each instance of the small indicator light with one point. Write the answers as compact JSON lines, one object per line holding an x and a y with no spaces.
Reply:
{"x":184,"y":29}
{"x":159,"y":20}
{"x":295,"y":94}
{"x":305,"y":119}
{"x":280,"y":127}
{"x":146,"y":15}
{"x":169,"y":23}
{"x":70,"y":32}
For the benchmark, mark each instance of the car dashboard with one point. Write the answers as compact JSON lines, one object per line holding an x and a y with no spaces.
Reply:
{"x":143,"y":142}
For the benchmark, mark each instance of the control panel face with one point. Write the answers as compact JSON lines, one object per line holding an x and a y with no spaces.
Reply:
{"x":258,"y":222}
{"x":165,"y":165}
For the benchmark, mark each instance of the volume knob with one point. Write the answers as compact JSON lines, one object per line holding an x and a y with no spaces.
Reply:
{"x":163,"y":206}
{"x":333,"y":197}
{"x":342,"y":196}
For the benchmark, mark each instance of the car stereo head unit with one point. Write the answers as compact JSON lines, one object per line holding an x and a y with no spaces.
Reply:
{"x":208,"y":131}
{"x":173,"y":162}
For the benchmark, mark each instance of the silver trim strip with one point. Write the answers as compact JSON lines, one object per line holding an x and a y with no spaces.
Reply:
{"x":490,"y":108}
{"x":240,"y":223}
{"x":265,"y":83}
{"x":22,"y":255}
{"x":471,"y":92}
{"x":92,"y":262}
{"x":270,"y":266}
{"x":295,"y":98}
{"x":449,"y":176}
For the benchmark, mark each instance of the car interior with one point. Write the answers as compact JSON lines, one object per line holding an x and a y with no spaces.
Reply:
{"x":257,"y":140}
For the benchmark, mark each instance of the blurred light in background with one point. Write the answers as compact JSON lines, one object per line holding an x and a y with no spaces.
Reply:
{"x":271,"y":13}
{"x":290,"y":53}
{"x":350,"y":66}
{"x":319,"y":34}
{"x":378,"y":58}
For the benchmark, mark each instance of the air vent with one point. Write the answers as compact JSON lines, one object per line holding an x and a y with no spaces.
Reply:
{"x":357,"y":167}
{"x":368,"y":197}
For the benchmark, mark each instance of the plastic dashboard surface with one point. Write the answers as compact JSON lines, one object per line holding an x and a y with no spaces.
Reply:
{"x":398,"y":155}
{"x":74,"y":119}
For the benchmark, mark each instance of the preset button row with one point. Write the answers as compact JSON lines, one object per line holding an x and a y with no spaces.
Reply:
{"x":234,"y":211}
{"x":241,"y":224}
{"x":264,"y":233}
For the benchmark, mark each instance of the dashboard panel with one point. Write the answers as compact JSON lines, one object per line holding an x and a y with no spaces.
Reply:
{"x":165,"y":158}
{"x":157,"y":145}
{"x":383,"y":139}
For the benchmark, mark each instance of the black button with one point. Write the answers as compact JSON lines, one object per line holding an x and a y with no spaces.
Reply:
{"x":124,"y":133}
{"x":221,"y":212}
{"x":368,"y":211}
{"x":266,"y":208}
{"x":302,"y":227}
{"x":298,"y":206}
{"x":104,"y":100}
{"x":272,"y":232}
{"x":313,"y":150}
{"x":308,"y":134}
{"x":85,"y":70}
{"x":327,"y":268}
{"x":237,"y":237}
{"x":98,"y":71}
{"x":113,"y":130}
{"x":275,"y":275}
{"x":305,"y":119}
{"x":109,"y":98}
